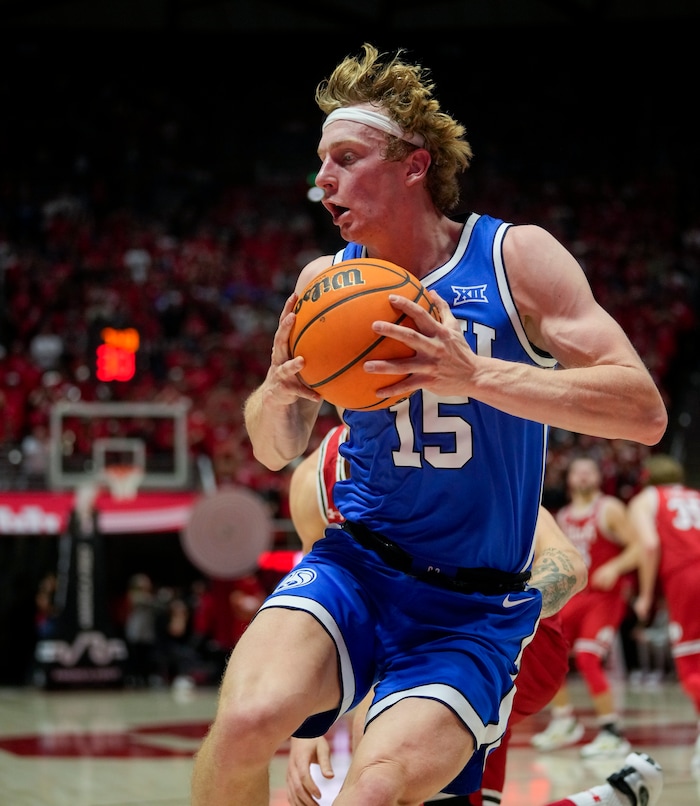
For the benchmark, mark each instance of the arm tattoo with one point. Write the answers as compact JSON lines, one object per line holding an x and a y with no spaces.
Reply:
{"x":553,"y":575}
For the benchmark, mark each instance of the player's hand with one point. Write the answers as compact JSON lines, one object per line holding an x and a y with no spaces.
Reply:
{"x":283,"y":386}
{"x":604,"y":577}
{"x":443,"y":362}
{"x":301,"y":787}
{"x":643,"y":607}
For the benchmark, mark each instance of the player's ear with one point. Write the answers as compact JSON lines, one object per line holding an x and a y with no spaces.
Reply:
{"x":417,"y":164}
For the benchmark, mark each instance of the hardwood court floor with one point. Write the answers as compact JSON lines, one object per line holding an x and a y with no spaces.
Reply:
{"x":134,"y":748}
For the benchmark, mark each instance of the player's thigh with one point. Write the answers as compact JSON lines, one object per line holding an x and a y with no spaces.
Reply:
{"x":602,"y":620}
{"x":544,"y":668}
{"x":572,"y":615}
{"x":284,"y":654}
{"x":421,"y":740}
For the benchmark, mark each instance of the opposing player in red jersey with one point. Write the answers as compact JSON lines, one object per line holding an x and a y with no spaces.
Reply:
{"x":558,"y":570}
{"x":666,"y":515}
{"x":598,"y":525}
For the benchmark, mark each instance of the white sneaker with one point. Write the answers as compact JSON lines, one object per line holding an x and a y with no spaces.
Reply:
{"x":606,"y":743}
{"x":641,"y":779}
{"x":562,"y":731}
{"x":695,"y":760}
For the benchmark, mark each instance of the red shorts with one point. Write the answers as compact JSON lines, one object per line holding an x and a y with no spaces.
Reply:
{"x":544,"y":667}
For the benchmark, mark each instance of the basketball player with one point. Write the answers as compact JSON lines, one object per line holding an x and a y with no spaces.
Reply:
{"x":440,"y":507}
{"x":558,"y":570}
{"x":597,"y":524}
{"x":666,"y":515}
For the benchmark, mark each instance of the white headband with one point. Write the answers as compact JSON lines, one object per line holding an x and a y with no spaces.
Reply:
{"x":376,"y":120}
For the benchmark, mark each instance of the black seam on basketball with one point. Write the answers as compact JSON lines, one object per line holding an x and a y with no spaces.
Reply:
{"x":367,"y":261}
{"x":419,"y":297}
{"x":380,"y":404}
{"x":420,"y":294}
{"x":362,"y":262}
{"x":361,"y":293}
{"x":355,"y":360}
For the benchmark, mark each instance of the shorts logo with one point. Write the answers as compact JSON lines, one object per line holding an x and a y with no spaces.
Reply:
{"x":297,"y":579}
{"x":508,"y":602}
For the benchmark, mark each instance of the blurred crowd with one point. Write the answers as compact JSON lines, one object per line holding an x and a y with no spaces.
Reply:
{"x":130,"y":215}
{"x":205,"y":304}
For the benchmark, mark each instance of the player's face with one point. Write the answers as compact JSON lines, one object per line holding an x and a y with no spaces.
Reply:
{"x":583,"y":476}
{"x":361,"y":189}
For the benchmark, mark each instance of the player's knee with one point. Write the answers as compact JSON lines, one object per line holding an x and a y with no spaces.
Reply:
{"x":380,"y":783}
{"x":244,"y":731}
{"x":387,"y":781}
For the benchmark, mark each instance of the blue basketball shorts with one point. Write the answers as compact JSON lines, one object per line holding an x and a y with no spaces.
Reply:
{"x":409,"y":638}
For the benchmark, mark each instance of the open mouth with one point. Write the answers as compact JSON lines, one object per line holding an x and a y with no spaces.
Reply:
{"x":336,"y":210}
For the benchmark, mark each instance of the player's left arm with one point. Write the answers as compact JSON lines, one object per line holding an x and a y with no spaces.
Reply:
{"x":602,"y":387}
{"x":616,"y":525}
{"x":303,"y":501}
{"x":558,"y":570}
{"x":602,"y":374}
{"x":302,"y":790}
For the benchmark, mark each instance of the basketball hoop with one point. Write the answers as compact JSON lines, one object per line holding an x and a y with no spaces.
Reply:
{"x":123,"y":481}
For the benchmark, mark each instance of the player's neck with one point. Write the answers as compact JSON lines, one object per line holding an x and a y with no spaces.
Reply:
{"x":584,"y":500}
{"x":434,"y":244}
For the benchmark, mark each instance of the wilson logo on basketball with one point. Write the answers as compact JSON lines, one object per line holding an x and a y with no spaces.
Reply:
{"x":333,"y":282}
{"x":333,"y":330}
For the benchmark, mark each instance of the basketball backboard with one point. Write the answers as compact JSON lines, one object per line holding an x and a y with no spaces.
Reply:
{"x":86,"y":438}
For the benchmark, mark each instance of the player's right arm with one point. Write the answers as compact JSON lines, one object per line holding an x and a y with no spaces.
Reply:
{"x":559,"y":570}
{"x":281,"y":412}
{"x":642,"y":515}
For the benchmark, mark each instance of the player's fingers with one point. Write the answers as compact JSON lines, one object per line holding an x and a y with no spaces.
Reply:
{"x":280,"y":343}
{"x":286,"y":385}
{"x":444,"y":313}
{"x":406,"y":335}
{"x":302,"y":789}
{"x":425,"y":320}
{"x":323,"y":757}
{"x":289,"y":304}
{"x":409,"y":307}
{"x":296,"y":384}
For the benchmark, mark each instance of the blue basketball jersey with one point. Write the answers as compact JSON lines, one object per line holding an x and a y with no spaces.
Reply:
{"x":452,"y":480}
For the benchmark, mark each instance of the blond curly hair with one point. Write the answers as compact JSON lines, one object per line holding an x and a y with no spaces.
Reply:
{"x":405,"y":92}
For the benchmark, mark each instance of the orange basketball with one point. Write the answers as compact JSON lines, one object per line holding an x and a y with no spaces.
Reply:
{"x":333,"y":329}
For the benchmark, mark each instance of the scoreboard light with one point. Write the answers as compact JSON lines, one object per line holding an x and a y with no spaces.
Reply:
{"x":116,"y":356}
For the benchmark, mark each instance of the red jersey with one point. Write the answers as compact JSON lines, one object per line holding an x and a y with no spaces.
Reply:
{"x":678,"y":525}
{"x":331,"y":468}
{"x":217,"y":614}
{"x":583,"y":528}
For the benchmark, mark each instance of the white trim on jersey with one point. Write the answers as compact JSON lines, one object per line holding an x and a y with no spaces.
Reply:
{"x":546,"y":362}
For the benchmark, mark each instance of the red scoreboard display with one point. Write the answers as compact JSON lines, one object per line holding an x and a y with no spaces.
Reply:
{"x":116,"y":355}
